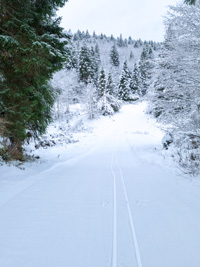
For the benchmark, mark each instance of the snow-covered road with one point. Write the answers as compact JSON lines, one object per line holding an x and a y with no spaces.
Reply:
{"x":117,"y":204}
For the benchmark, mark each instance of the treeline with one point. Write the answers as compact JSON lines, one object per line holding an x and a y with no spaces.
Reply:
{"x":132,"y":76}
{"x":176,"y":94}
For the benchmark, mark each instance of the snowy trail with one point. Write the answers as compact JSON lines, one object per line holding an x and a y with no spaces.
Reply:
{"x":132,"y":226}
{"x":117,"y":205}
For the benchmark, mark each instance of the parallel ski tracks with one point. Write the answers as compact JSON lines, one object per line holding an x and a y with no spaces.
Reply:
{"x":114,"y":159}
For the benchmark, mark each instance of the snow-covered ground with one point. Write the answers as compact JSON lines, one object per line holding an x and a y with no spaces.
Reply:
{"x":109,"y":200}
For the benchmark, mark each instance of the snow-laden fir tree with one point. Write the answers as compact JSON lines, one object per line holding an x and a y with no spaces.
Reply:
{"x":145,"y":68}
{"x":135,"y":81}
{"x":32,"y":48}
{"x":124,"y":92}
{"x":177,"y":92}
{"x":110,"y":85}
{"x":72,"y":61}
{"x":94,"y":66}
{"x":120,"y":41}
{"x":85,"y":62}
{"x":176,"y":97}
{"x":131,"y":57}
{"x":114,"y":56}
{"x":101,"y":83}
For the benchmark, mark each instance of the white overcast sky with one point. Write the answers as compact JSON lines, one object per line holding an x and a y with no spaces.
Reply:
{"x":136,"y":18}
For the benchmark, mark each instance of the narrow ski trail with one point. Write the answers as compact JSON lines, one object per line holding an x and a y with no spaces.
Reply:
{"x":117,"y":205}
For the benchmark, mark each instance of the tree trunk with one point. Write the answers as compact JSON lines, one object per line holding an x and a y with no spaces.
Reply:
{"x":14,"y":150}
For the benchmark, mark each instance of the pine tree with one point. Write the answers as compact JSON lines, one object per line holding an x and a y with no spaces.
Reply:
{"x":94,"y":66}
{"x":97,"y":54}
{"x":134,"y":81}
{"x":190,"y":2}
{"x":131,"y":57}
{"x":124,"y":89}
{"x":85,"y":62}
{"x":130,"y":41}
{"x":114,"y":56}
{"x":31,"y":50}
{"x":145,"y":68}
{"x":102,"y":83}
{"x":110,"y":85}
{"x":120,"y":41}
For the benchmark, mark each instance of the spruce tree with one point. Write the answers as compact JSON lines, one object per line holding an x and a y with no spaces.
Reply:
{"x":190,"y":2}
{"x":94,"y":67}
{"x":145,"y":69}
{"x":110,"y":85}
{"x":134,"y":81}
{"x":124,"y":88}
{"x":85,"y":62}
{"x":102,"y":83}
{"x":114,"y":56}
{"x":120,"y":41}
{"x":131,"y":57}
{"x":32,"y":48}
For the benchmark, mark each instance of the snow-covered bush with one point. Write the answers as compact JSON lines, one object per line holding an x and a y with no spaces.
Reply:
{"x":108,"y":105}
{"x":186,"y":152}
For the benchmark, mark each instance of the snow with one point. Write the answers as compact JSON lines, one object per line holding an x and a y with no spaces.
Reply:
{"x":111,"y":199}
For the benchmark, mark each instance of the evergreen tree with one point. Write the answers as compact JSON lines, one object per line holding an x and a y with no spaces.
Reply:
{"x":134,"y":81}
{"x":102,"y":83}
{"x":94,"y":35}
{"x":31,"y":50}
{"x":94,"y":67}
{"x":87,"y":35}
{"x":110,"y":85}
{"x":131,"y":57}
{"x":124,"y":88}
{"x":112,"y":38}
{"x":120,"y":41}
{"x":145,"y":68}
{"x":72,"y":61}
{"x":97,"y":54}
{"x":190,"y":2}
{"x":85,"y":63}
{"x":130,"y":41}
{"x":114,"y":56}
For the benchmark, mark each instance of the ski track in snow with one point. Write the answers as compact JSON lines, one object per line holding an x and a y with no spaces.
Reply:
{"x":116,"y":204}
{"x":114,"y":250}
{"x":132,"y":226}
{"x":131,"y":222}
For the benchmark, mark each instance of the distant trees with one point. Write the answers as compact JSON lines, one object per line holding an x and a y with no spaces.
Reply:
{"x":32,"y":48}
{"x":124,"y":88}
{"x":88,"y":64}
{"x":102,"y":83}
{"x":145,"y":68}
{"x":190,"y":2}
{"x":110,"y":85}
{"x":135,"y":81}
{"x":114,"y":56}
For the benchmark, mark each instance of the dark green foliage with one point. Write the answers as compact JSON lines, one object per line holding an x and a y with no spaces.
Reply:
{"x":85,"y":62}
{"x":120,"y":41}
{"x":31,"y":50}
{"x":110,"y":85}
{"x":89,"y":61}
{"x":190,"y":2}
{"x":114,"y":56}
{"x":72,"y":61}
{"x":124,"y":89}
{"x":135,"y":81}
{"x":131,"y":57}
{"x":102,"y":83}
{"x":145,"y":68}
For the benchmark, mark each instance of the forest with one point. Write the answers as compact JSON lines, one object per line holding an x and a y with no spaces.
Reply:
{"x":44,"y":69}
